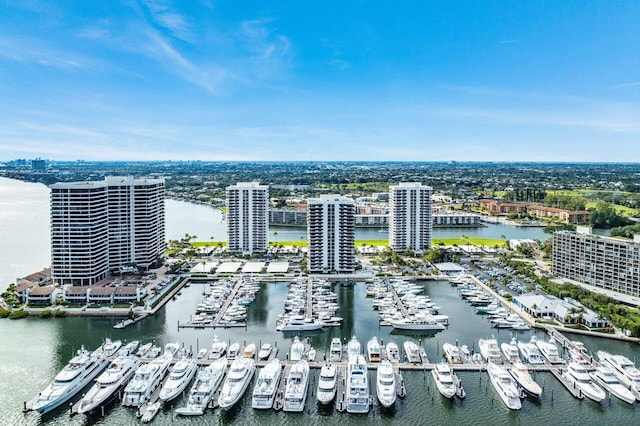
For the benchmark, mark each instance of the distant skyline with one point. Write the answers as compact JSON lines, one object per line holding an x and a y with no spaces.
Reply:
{"x":361,"y":81}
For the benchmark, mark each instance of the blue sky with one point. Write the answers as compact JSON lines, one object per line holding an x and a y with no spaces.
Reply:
{"x":302,"y":80}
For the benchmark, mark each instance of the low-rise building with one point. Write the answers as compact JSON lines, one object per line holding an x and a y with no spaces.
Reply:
{"x":577,"y":217}
{"x":566,"y":311}
{"x":496,"y":208}
{"x":42,"y":295}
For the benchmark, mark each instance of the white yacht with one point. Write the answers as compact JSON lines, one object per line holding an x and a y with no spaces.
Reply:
{"x":411,"y":351}
{"x":520,"y":374}
{"x":624,"y":370}
{"x":530,"y":352}
{"x":218,"y":348}
{"x":130,"y":348}
{"x":605,"y":377}
{"x":295,"y":393}
{"x":549,"y":351}
{"x":505,"y":386}
{"x":357,"y":385}
{"x":264,"y":392}
{"x":207,"y":382}
{"x":386,"y":384}
{"x":393,"y":353}
{"x":240,"y":374}
{"x":79,"y":372}
{"x":299,"y":323}
{"x":180,"y":376}
{"x":579,"y":376}
{"x":297,"y":350}
{"x":353,"y":347}
{"x":510,"y":351}
{"x":109,"y":383}
{"x":417,"y":323}
{"x":144,"y":349}
{"x":146,"y":380}
{"x":335,"y":350}
{"x":452,"y":353}
{"x":443,"y":377}
{"x":489,"y":350}
{"x":373,"y":349}
{"x":265,"y":351}
{"x":327,"y":384}
{"x":234,"y":351}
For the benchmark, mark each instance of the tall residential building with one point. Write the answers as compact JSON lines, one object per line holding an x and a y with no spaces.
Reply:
{"x":604,"y":262}
{"x":247,"y":217}
{"x":330,"y":234}
{"x":98,"y":227}
{"x":410,"y":221}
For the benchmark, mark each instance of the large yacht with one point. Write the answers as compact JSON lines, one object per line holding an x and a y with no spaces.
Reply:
{"x":510,"y":351}
{"x":530,"y":352}
{"x":327,"y":384}
{"x":417,"y":323}
{"x":393,"y":354}
{"x":109,"y":383}
{"x":240,"y":374}
{"x":357,"y":385}
{"x":335,"y":350}
{"x":353,"y":347}
{"x":147,"y":379}
{"x":179,"y":378}
{"x":520,"y":374}
{"x":549,"y":351}
{"x":411,"y":351}
{"x":452,"y":353}
{"x":297,"y":350}
{"x":505,"y":386}
{"x":295,"y":394}
{"x":605,"y":377}
{"x":218,"y":348}
{"x":386,"y":384}
{"x":298,"y":323}
{"x":79,"y":372}
{"x":489,"y":350}
{"x":373,"y":350}
{"x":624,"y":370}
{"x":264,"y":392}
{"x":579,"y":376}
{"x":207,"y":382}
{"x":443,"y":377}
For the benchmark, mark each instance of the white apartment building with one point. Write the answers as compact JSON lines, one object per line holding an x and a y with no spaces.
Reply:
{"x":410,"y":221}
{"x":247,"y":217}
{"x":604,"y":262}
{"x":97,"y":227}
{"x":330,"y":234}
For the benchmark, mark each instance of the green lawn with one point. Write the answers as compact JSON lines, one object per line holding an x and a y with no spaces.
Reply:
{"x":624,"y":210}
{"x":208,"y":243}
{"x":490,"y":242}
{"x":299,"y":243}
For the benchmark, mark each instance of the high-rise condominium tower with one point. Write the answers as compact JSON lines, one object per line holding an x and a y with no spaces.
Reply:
{"x":247,"y":217}
{"x":330,"y":234}
{"x":410,"y":217}
{"x":101,"y":226}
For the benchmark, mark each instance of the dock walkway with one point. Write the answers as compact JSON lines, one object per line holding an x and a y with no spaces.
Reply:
{"x":309,"y":311}
{"x":231,"y":298}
